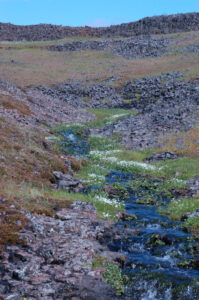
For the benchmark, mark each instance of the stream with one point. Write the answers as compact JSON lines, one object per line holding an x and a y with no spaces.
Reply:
{"x":162,"y":260}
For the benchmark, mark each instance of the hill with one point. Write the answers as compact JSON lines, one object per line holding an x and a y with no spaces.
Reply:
{"x":151,"y":25}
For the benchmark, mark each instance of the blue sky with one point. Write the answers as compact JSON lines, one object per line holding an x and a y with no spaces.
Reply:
{"x":89,"y":12}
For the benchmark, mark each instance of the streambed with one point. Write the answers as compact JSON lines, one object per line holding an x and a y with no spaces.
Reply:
{"x":162,"y":260}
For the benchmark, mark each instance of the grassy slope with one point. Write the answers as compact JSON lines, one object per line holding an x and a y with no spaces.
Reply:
{"x":31,"y":64}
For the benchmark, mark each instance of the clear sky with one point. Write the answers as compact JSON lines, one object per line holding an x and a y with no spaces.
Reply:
{"x":89,"y":12}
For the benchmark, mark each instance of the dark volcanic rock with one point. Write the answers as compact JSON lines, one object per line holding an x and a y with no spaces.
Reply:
{"x":166,"y":104}
{"x":152,"y":25}
{"x":67,"y":182}
{"x":79,"y":95}
{"x":129,"y":48}
{"x":162,"y":156}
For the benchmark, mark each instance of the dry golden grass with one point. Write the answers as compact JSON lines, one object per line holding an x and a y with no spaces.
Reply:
{"x":25,"y":168}
{"x":31,"y":64}
{"x":9,"y":103}
{"x":183,"y":142}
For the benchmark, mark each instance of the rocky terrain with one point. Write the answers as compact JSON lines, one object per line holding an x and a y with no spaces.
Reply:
{"x":152,"y":25}
{"x":99,"y":144}
{"x":54,"y":264}
{"x":166,"y":102}
{"x":128,"y":48}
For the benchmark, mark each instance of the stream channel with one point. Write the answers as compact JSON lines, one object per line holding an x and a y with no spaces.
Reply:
{"x":162,"y":260}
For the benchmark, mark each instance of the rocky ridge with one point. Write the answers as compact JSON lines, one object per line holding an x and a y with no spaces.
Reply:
{"x":152,"y":25}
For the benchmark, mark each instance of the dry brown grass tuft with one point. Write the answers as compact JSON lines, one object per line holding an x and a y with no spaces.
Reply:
{"x":183,"y":143}
{"x":10,"y":103}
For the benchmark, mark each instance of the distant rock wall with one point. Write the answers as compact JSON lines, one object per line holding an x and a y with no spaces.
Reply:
{"x":146,"y":26}
{"x":138,"y":47}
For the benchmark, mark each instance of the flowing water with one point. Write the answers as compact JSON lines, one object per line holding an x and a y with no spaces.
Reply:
{"x":162,"y":260}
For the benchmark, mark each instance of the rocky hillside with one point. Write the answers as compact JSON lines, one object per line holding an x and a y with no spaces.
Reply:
{"x":146,"y":26}
{"x":94,"y":131}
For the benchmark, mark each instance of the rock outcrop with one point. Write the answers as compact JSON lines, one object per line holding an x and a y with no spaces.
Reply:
{"x":56,"y":259}
{"x":128,"y":48}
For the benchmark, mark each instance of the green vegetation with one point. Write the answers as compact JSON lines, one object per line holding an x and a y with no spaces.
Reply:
{"x":181,"y":168}
{"x":192,"y":223}
{"x":107,"y":116}
{"x":93,"y":174}
{"x":102,"y":144}
{"x":178,"y":207}
{"x":112,"y":274}
{"x":133,"y":155}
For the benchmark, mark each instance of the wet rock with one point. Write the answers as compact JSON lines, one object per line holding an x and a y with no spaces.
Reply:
{"x":158,"y":240}
{"x":112,"y":192}
{"x":126,"y":217}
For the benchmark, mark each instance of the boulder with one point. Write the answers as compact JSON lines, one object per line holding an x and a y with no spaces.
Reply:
{"x":67,"y":182}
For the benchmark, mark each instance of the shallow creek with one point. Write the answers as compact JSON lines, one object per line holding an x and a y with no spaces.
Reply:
{"x":162,"y":261}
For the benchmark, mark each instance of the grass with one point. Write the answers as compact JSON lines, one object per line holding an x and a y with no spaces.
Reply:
{"x":106,"y":208}
{"x":181,"y":168}
{"x":134,"y":155}
{"x":9,"y":103}
{"x":93,"y":174}
{"x":178,"y":207}
{"x":192,"y":223}
{"x":22,"y":149}
{"x":31,"y":64}
{"x":107,"y":116}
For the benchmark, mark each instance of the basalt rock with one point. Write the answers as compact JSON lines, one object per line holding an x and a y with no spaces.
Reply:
{"x":128,"y":48}
{"x":162,"y":156}
{"x":67,"y":182}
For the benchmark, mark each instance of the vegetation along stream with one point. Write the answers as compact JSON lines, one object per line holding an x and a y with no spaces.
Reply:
{"x":162,"y":258}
